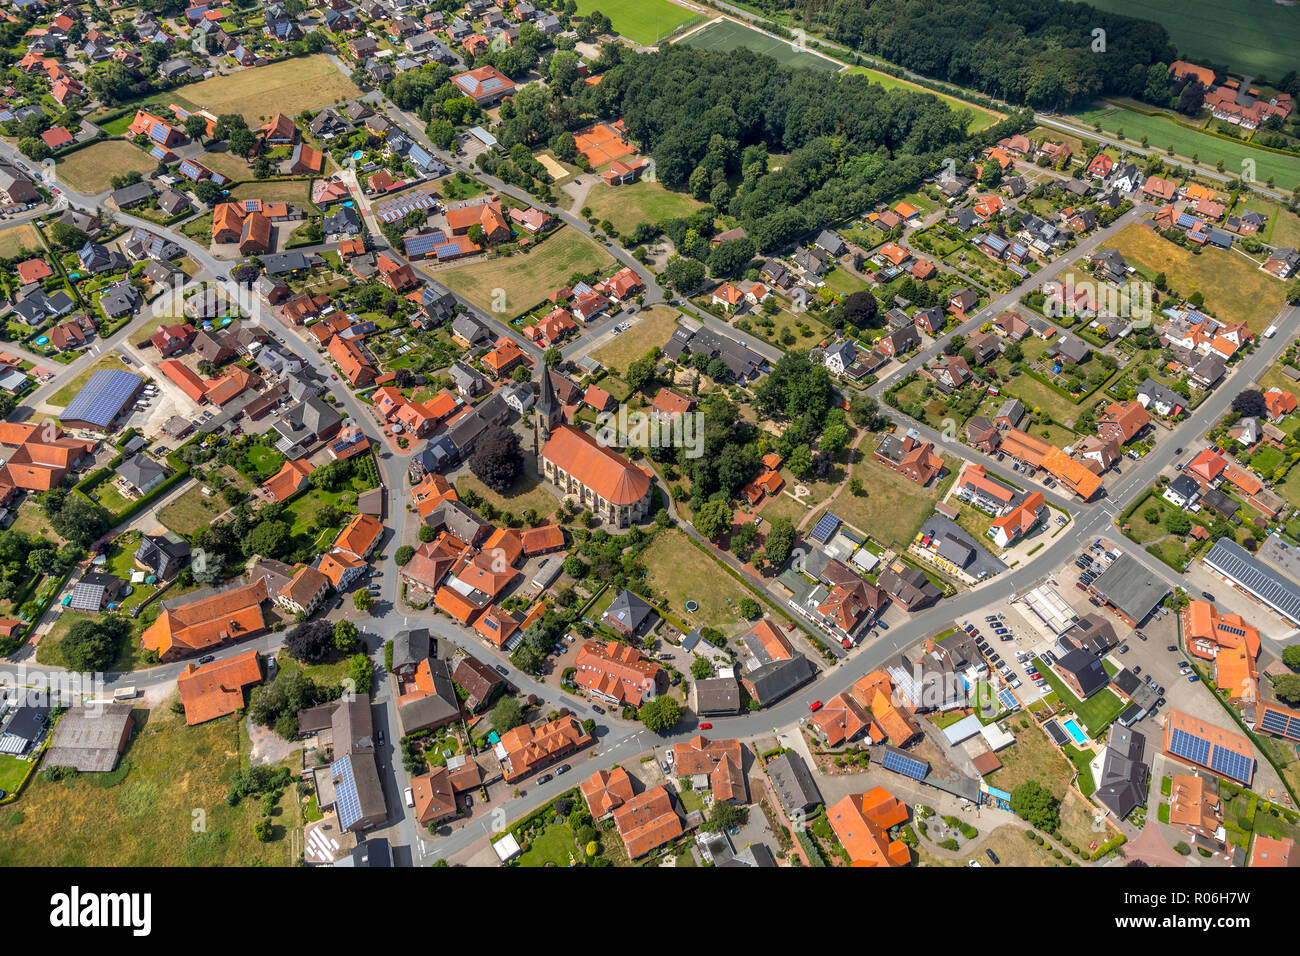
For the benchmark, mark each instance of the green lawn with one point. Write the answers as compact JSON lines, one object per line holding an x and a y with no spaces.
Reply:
{"x":193,"y":510}
{"x":678,"y":572}
{"x":641,"y":21}
{"x":626,"y":206}
{"x":553,"y":845}
{"x":891,"y":508}
{"x":728,"y":35}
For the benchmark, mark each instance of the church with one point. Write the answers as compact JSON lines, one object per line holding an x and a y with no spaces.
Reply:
{"x":575,"y":462}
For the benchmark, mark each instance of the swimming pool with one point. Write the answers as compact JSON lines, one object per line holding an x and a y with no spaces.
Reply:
{"x":1072,"y":728}
{"x":43,"y":340}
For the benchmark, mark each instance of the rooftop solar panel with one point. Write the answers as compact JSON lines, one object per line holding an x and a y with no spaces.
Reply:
{"x":901,"y":763}
{"x":1232,"y":764}
{"x":1185,"y":745}
{"x":826,"y":527}
{"x":345,"y":793}
{"x":1237,"y":564}
{"x":446,"y":250}
{"x":103,"y":397}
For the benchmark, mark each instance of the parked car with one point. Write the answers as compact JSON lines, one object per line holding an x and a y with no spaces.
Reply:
{"x":207,"y":658}
{"x":1137,"y":670}
{"x":1208,"y":596}
{"x":410,"y":797}
{"x":599,"y":710}
{"x":1192,"y":678}
{"x":501,"y":669}
{"x":545,"y":778}
{"x":706,"y":726}
{"x":562,"y":768}
{"x":815,"y":706}
{"x":992,"y":856}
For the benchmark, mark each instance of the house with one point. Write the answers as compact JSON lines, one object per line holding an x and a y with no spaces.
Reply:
{"x":713,"y":765}
{"x":1082,"y":672}
{"x":1123,"y":421}
{"x":1125,"y":777}
{"x":618,"y":673}
{"x":863,"y":821}
{"x":141,"y":475}
{"x":197,"y":623}
{"x":526,"y":749}
{"x":648,"y":821}
{"x":1279,"y":404}
{"x":486,"y":85}
{"x":304,"y":592}
{"x":1282,"y":263}
{"x":1165,"y":401}
{"x":1018,"y":521}
{"x":629,"y":614}
{"x":217,"y":689}
{"x":1196,"y":810}
{"x":910,"y":457}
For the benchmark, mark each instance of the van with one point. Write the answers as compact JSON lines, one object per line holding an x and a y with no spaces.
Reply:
{"x":1270,"y":331}
{"x":410,"y":797}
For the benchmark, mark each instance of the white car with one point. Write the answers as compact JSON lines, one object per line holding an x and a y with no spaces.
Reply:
{"x":410,"y":797}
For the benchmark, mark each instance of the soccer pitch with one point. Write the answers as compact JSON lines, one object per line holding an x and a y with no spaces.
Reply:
{"x":726,"y":35}
{"x":641,"y":21}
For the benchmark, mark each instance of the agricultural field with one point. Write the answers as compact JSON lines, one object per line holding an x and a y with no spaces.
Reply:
{"x":1162,"y":132}
{"x":725,"y":35}
{"x":641,"y":21}
{"x":142,"y":814}
{"x":1233,"y":288}
{"x":90,"y":170}
{"x":653,"y":329}
{"x":978,"y":118}
{"x":1260,"y":37}
{"x":16,"y":239}
{"x":680,"y":572}
{"x":626,"y":206}
{"x":526,"y":278}
{"x":289,"y":87}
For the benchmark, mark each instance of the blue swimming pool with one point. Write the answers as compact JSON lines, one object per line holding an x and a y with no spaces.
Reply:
{"x":43,"y":340}
{"x":1072,"y":728}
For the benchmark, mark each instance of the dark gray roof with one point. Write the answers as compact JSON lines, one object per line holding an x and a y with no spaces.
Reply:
{"x":1124,"y":777}
{"x":794,"y":783}
{"x":410,"y":647}
{"x":775,"y":680}
{"x":629,"y":611}
{"x":715,"y":696}
{"x":1129,"y":586}
{"x":1087,"y":670}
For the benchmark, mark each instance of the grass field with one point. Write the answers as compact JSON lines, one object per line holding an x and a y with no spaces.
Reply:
{"x":192,"y":510}
{"x":653,"y":329}
{"x":891,"y":508}
{"x":1260,"y":37}
{"x":642,"y":21}
{"x":626,"y":206}
{"x":680,"y":572}
{"x":1162,"y":132}
{"x":979,"y":118}
{"x":724,"y":35}
{"x":297,"y":193}
{"x":90,"y":170}
{"x":149,"y":815}
{"x":227,"y":164}
{"x":17,"y":238}
{"x":288,"y":87}
{"x":69,"y":391}
{"x":526,"y":493}
{"x":528,"y":278}
{"x":1031,"y":757}
{"x":1233,"y":288}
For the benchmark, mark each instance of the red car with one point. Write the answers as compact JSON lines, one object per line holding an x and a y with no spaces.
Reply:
{"x":706,"y":726}
{"x":815,"y":706}
{"x":846,"y":642}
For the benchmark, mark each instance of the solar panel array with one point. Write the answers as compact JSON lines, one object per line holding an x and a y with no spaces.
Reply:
{"x":1238,"y":766}
{"x":391,"y":210}
{"x":1281,"y":723}
{"x":345,"y":793}
{"x":1190,"y":747}
{"x":1233,"y":561}
{"x":424,"y":245}
{"x":100,"y":399}
{"x":826,"y":527}
{"x":447,"y":250}
{"x":902,"y":763}
{"x":1008,"y":699}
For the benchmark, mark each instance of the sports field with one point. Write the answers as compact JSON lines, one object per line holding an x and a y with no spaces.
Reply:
{"x":980,"y":118}
{"x":287,"y":87}
{"x":641,"y":21}
{"x":1252,"y":36}
{"x":525,"y":278}
{"x":1162,"y":132}
{"x":90,"y":170}
{"x":724,"y":35}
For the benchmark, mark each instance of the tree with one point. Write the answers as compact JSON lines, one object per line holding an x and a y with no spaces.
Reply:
{"x":640,"y":373}
{"x":361,"y":670}
{"x":780,"y":541}
{"x":270,"y":539}
{"x":93,"y":644}
{"x":196,"y":127}
{"x":208,"y":192}
{"x":835,"y":438}
{"x":242,"y":142}
{"x":684,"y":275}
{"x":701,"y":668}
{"x":361,"y":600}
{"x":730,"y":258}
{"x":1287,"y":687}
{"x":1176,"y":522}
{"x":750,"y":608}
{"x":506,"y":715}
{"x":723,"y":816}
{"x":1249,"y":403}
{"x":1291,"y":656}
{"x":1034,"y":804}
{"x":660,"y":714}
{"x":345,"y":636}
{"x":497,"y":459}
{"x":404,"y":554}
{"x":311,"y":642}
{"x":76,"y":519}
{"x":860,"y":310}
{"x":863,"y":409}
{"x":713,"y":519}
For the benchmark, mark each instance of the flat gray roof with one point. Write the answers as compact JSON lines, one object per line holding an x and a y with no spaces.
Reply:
{"x":1130,"y":587}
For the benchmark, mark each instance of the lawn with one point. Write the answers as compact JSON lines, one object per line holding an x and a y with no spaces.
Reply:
{"x":193,"y":510}
{"x":1261,"y":36}
{"x":1233,"y":288}
{"x":978,"y":118}
{"x":17,"y":240}
{"x":526,"y":493}
{"x":527,"y":278}
{"x":221,"y":160}
{"x":843,"y":282}
{"x":1031,"y":757}
{"x":90,"y":170}
{"x":68,"y":392}
{"x":1162,"y":131}
{"x":626,"y":206}
{"x":295,"y":192}
{"x":891,"y":508}
{"x":723,"y":35}
{"x":12,"y":771}
{"x":1037,"y":395}
{"x":554,"y":845}
{"x":641,"y":21}
{"x":680,"y":572}
{"x":652,"y":330}
{"x":169,"y":809}
{"x":1096,"y":712}
{"x":289,"y":87}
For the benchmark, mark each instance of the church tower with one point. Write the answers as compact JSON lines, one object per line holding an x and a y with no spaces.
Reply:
{"x":547,"y":414}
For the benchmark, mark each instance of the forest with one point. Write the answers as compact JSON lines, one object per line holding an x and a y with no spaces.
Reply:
{"x":1045,"y":54}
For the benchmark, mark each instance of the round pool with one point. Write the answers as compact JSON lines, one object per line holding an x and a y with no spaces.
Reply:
{"x":225,"y":320}
{"x":348,"y":203}
{"x":43,"y":340}
{"x":358,"y":154}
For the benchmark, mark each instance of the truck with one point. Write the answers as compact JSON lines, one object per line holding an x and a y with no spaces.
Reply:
{"x":124,"y":693}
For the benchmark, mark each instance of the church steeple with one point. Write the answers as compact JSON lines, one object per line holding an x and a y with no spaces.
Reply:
{"x":548,"y":412}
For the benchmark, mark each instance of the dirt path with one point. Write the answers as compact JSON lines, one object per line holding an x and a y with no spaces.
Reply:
{"x":836,"y":493}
